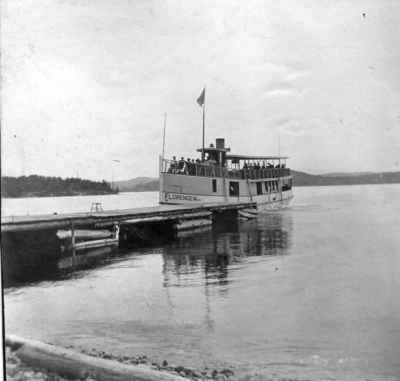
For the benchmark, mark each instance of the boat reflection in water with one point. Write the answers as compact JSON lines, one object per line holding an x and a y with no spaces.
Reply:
{"x":204,"y":267}
{"x":226,"y":246}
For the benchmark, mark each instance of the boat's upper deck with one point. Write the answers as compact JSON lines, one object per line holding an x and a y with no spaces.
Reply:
{"x":209,"y":169}
{"x":216,"y":162}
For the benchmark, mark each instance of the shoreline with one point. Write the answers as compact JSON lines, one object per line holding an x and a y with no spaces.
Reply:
{"x":60,"y":195}
{"x":157,"y":190}
{"x":30,"y":359}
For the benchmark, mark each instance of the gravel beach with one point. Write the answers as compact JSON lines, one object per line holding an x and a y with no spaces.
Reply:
{"x":16,"y":370}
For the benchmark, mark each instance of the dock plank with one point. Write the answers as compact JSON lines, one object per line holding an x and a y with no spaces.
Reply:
{"x":36,"y":222}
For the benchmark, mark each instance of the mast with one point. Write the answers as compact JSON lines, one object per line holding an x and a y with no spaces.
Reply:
{"x":279,"y":145}
{"x":201,"y":101}
{"x":204,"y":123}
{"x":279,"y":154}
{"x":163,"y":142}
{"x":204,"y":118}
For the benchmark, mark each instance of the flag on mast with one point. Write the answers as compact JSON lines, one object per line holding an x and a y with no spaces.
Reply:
{"x":201,"y":102}
{"x":202,"y":97}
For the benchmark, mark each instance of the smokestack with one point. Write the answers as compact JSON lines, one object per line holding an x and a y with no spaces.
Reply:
{"x":220,"y":143}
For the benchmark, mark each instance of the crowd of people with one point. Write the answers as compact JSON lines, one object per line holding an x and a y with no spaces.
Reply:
{"x":201,"y":168}
{"x":182,"y":166}
{"x":264,"y":165}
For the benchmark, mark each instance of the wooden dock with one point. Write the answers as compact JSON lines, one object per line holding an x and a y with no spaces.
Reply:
{"x":110,"y":217}
{"x":73,"y":239}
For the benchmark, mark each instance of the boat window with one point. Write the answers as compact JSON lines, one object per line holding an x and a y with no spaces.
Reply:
{"x":233,"y":188}
{"x":259,"y":187}
{"x":266,"y":187}
{"x":287,"y":184}
{"x":214,"y":185}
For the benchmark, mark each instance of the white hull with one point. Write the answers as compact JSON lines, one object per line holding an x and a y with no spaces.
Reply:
{"x":263,"y":202}
{"x":180,"y":189}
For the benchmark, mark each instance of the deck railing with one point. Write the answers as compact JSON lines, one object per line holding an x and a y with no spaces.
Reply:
{"x":212,"y":170}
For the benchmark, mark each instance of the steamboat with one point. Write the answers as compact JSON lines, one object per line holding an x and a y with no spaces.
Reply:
{"x":219,"y":176}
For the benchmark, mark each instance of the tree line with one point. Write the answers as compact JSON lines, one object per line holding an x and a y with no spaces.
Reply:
{"x":37,"y":186}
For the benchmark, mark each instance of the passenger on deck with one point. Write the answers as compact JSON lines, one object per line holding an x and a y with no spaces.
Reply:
{"x":199,"y":167}
{"x":191,"y":167}
{"x":173,"y":166}
{"x":186,"y":168}
{"x":181,"y":165}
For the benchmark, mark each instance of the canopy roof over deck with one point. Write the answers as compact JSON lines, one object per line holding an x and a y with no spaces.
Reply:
{"x":255,"y":157}
{"x":213,"y":149}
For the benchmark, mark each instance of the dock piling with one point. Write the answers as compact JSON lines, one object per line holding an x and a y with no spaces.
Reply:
{"x":73,"y":244}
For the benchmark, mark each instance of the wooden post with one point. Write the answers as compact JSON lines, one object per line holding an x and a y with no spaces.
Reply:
{"x":73,"y":247}
{"x":116,"y":232}
{"x":224,"y":173}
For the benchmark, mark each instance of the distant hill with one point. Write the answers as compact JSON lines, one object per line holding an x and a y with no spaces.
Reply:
{"x":346,"y":174}
{"x":41,"y":186}
{"x":304,"y":179}
{"x":38,"y":186}
{"x":300,"y":179}
{"x":150,"y":184}
{"x":128,"y":185}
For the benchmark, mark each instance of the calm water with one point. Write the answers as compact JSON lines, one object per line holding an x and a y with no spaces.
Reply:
{"x":49,"y":205}
{"x":310,"y":292}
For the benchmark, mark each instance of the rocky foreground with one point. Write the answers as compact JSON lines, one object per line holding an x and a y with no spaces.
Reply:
{"x":16,"y":370}
{"x":194,"y":374}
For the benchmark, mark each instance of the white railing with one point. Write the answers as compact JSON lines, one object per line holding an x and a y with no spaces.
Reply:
{"x":183,"y":167}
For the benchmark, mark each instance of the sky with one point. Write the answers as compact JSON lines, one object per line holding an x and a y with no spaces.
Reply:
{"x":85,"y":83}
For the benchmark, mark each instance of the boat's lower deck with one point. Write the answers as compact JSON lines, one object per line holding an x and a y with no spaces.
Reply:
{"x":183,"y":189}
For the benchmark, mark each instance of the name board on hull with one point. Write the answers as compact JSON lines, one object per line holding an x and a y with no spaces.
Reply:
{"x":181,"y":197}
